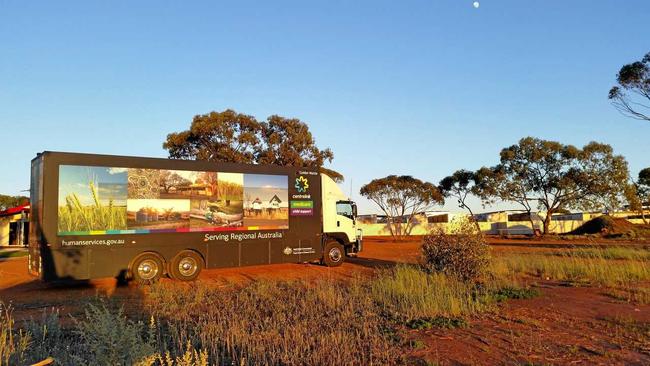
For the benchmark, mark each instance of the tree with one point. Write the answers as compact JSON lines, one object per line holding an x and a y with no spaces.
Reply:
{"x":401,"y":197}
{"x":459,"y":186}
{"x":225,"y":136}
{"x":288,"y":141}
{"x":229,"y":136}
{"x":7,"y":202}
{"x":632,"y":94}
{"x":170,"y":179}
{"x":638,"y":193}
{"x":553,"y":176}
{"x":492,"y":184}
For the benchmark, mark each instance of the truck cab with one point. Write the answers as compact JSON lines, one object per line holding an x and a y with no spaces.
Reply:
{"x":339,"y":223}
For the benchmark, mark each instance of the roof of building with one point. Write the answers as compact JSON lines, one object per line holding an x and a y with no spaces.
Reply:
{"x":15,"y":210}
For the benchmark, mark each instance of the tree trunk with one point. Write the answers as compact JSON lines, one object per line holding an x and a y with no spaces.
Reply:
{"x":473,"y":219}
{"x":547,"y":221}
{"x":532,"y":224}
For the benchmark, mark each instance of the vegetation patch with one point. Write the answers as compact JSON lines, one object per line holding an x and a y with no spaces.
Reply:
{"x":507,"y":293}
{"x":437,"y":322}
{"x":464,"y":254}
{"x":13,"y":253}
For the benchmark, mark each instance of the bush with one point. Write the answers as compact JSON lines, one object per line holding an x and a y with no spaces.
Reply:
{"x":463,"y":253}
{"x":109,"y":338}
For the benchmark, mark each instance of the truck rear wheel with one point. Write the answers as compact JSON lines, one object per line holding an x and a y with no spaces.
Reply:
{"x":147,"y":268}
{"x":334,"y":254}
{"x":186,"y":266}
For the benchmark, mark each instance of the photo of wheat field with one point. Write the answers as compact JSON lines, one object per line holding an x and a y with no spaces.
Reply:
{"x":91,"y":198}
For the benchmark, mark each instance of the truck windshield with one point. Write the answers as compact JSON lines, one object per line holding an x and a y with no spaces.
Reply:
{"x":345,"y":208}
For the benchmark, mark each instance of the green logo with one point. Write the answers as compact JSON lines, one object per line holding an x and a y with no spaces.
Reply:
{"x":302,"y":185}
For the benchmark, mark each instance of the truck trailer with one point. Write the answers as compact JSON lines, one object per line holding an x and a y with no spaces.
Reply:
{"x":142,"y":218}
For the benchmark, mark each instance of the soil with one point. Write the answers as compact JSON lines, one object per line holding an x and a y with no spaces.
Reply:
{"x":564,"y":325}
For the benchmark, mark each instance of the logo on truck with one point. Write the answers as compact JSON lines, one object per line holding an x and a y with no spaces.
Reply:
{"x":302,"y":184}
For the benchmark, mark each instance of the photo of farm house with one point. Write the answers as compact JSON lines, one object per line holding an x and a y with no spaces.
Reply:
{"x":266,"y":201}
{"x":91,"y":198}
{"x":158,"y":213}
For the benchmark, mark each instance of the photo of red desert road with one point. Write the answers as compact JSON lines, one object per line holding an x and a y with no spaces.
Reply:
{"x":450,"y":182}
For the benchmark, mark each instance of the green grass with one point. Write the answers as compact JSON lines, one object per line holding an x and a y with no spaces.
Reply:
{"x":575,"y":268}
{"x":410,"y":293}
{"x":622,"y":253}
{"x":13,"y":253}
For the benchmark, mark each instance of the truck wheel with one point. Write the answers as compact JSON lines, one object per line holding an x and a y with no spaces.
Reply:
{"x":334,"y":254}
{"x":147,"y":268}
{"x":186,"y":266}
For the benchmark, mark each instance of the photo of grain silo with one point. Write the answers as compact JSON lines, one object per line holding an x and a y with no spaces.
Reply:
{"x":266,"y":201}
{"x":91,"y":198}
{"x":158,"y":213}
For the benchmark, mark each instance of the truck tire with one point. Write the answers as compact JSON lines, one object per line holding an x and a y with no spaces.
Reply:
{"x":186,"y":266}
{"x":334,"y":254}
{"x":147,"y":268}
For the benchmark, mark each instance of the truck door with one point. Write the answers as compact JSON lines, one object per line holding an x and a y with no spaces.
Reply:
{"x":345,"y":219}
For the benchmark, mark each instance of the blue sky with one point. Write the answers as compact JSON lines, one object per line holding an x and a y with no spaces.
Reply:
{"x":410,"y":87}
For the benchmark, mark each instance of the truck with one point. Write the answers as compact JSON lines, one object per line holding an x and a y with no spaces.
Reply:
{"x":138,"y":218}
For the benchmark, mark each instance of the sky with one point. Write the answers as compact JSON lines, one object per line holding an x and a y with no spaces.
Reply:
{"x":421,"y":88}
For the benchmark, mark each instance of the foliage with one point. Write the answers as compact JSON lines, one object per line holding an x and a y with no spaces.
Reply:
{"x":225,"y":136}
{"x":169,"y":179}
{"x":109,"y":338}
{"x":463,"y":253}
{"x":401,"y":197}
{"x":437,"y":322}
{"x":632,"y":94}
{"x":508,"y":292}
{"x":459,"y":186}
{"x":229,"y":136}
{"x":553,"y":176}
{"x":638,"y":193}
{"x":12,"y":201}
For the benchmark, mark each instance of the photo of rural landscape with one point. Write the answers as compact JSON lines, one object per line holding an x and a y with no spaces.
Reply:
{"x":158,"y":213}
{"x":266,"y":200}
{"x":91,"y":198}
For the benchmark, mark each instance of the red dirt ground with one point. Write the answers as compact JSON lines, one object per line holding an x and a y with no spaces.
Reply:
{"x":565,"y":325}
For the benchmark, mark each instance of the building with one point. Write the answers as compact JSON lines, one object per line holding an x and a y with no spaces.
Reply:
{"x":14,"y":226}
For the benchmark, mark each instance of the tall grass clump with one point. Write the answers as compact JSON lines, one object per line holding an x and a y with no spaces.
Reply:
{"x":463,"y":253}
{"x":408,"y":293}
{"x":274,"y":323}
{"x":622,"y":253}
{"x":576,"y":268}
{"x":14,"y":343}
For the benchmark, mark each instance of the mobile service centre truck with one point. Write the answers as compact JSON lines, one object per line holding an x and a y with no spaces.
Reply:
{"x":141,"y":218}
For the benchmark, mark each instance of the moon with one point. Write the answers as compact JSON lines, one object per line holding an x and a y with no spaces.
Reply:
{"x":476,"y":4}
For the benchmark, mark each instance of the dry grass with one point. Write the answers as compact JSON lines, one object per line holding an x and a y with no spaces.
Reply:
{"x":601,"y":267}
{"x":406,"y":292}
{"x":285,"y":323}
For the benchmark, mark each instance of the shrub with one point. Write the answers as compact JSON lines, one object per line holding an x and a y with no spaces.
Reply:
{"x":463,"y":253}
{"x":109,"y":338}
